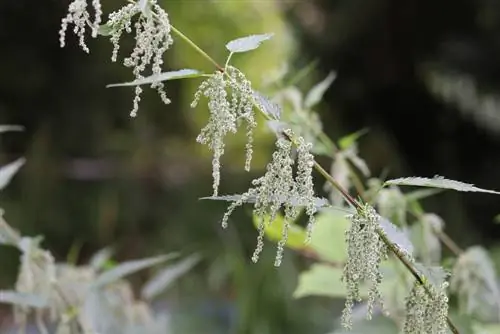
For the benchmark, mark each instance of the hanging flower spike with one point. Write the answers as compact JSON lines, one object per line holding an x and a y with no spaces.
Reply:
{"x":78,"y":15}
{"x":365,"y":252}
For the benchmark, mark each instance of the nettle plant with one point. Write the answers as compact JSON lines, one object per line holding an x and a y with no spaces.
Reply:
{"x":378,"y":249}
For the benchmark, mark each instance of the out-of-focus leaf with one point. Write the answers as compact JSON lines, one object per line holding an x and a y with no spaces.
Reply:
{"x":435,"y":275}
{"x":270,"y":108}
{"x":8,"y":171}
{"x":277,"y":127}
{"x":438,"y":182}
{"x":162,"y":281}
{"x":100,"y":258}
{"x":475,"y":282}
{"x":322,"y":280}
{"x":8,"y":128}
{"x":347,"y":141}
{"x":22,"y":299}
{"x":420,"y":194}
{"x":274,"y":231}
{"x":378,"y":325}
{"x":425,"y":234}
{"x":248,"y":43}
{"x":8,"y":236}
{"x":479,"y":328}
{"x":316,"y":93}
{"x":328,"y":237}
{"x":129,"y":267}
{"x":464,"y":323}
{"x":165,"y":76}
{"x":145,"y":7}
{"x":396,"y":235}
{"x":105,"y":30}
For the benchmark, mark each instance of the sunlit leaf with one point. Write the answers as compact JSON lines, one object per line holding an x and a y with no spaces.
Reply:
{"x":316,"y":93}
{"x":438,"y":182}
{"x":164,"y":279}
{"x":165,"y":76}
{"x":277,"y":126}
{"x":129,"y":267}
{"x":425,"y":235}
{"x":274,"y":231}
{"x":22,"y":299}
{"x":248,"y":43}
{"x":145,"y":7}
{"x":8,"y":171}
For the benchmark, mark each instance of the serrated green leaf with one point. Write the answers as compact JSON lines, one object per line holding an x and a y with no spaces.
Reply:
{"x":347,"y":141}
{"x":22,"y":299}
{"x":316,"y":93}
{"x":162,"y":281}
{"x":8,"y":171}
{"x":274,"y":232}
{"x":129,"y":267}
{"x":165,"y":76}
{"x":438,"y":182}
{"x":248,"y":43}
{"x":328,"y":238}
{"x":8,"y":128}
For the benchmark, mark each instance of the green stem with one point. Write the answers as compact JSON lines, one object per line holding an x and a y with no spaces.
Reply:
{"x":197,"y":48}
{"x":349,"y":199}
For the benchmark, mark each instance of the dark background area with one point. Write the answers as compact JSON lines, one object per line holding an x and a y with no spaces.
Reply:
{"x":96,"y":177}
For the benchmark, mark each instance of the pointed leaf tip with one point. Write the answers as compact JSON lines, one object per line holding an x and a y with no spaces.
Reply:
{"x":438,"y":182}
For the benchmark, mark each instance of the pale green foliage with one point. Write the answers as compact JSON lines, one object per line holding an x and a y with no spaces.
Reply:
{"x":8,"y":171}
{"x":248,"y":43}
{"x":165,"y":76}
{"x":438,"y":182}
{"x":424,"y":234}
{"x":474,"y":281}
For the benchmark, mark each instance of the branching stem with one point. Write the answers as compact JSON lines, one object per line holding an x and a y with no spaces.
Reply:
{"x":349,"y":199}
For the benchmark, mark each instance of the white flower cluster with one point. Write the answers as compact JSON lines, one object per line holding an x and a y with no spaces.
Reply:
{"x":365,"y":251}
{"x":78,"y":15}
{"x":152,"y":36}
{"x":229,"y":101}
{"x":278,"y":189}
{"x":426,"y":314}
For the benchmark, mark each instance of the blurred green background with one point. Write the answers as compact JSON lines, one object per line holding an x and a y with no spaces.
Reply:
{"x":95,"y":177}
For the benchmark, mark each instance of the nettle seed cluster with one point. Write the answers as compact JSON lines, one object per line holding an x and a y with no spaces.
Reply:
{"x":287,"y":184}
{"x":152,"y":37}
